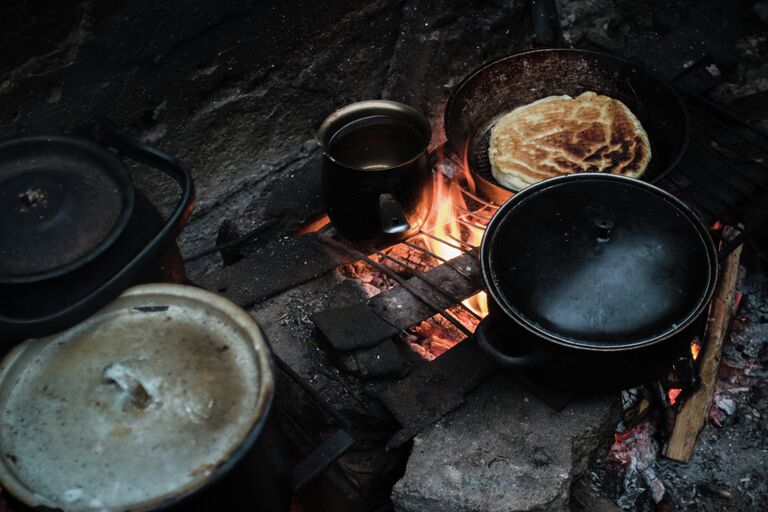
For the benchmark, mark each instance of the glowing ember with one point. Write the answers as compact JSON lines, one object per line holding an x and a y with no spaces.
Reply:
{"x":695,"y":349}
{"x":672,"y":394}
{"x":478,"y":304}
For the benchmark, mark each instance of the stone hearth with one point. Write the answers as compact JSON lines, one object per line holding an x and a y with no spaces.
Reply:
{"x":236,"y":89}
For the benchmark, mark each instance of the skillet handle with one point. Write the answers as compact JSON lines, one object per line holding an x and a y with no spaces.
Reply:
{"x":17,"y":329}
{"x":547,"y":31}
{"x":521,"y":362}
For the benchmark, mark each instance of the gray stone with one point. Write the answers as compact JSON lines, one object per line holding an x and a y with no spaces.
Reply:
{"x":761,"y":9}
{"x":441,"y":41}
{"x":352,"y":327}
{"x":277,"y":267}
{"x":754,"y":81}
{"x":504,"y":451}
{"x":382,"y":360}
{"x":291,"y":334}
{"x":455,"y":282}
{"x":435,"y":389}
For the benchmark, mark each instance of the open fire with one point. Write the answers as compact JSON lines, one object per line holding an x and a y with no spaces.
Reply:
{"x":452,"y":219}
{"x":454,"y":227}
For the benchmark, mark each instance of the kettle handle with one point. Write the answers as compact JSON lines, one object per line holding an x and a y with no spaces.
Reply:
{"x":106,"y":133}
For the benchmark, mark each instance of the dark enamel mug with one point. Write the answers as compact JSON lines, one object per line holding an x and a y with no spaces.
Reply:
{"x":376,"y":171}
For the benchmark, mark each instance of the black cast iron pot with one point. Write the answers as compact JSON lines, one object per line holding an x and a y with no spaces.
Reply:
{"x":74,"y":231}
{"x":595,"y":282}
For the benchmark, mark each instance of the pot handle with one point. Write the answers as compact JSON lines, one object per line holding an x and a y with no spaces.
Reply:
{"x":392,"y":216}
{"x":522,"y":362}
{"x":547,"y":31}
{"x":106,"y":133}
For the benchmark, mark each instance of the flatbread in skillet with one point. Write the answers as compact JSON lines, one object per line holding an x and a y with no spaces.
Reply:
{"x":562,"y":135}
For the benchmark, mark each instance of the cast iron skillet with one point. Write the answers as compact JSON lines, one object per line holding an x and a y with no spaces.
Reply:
{"x":499,"y":87}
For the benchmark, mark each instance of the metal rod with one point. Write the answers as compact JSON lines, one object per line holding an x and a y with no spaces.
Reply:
{"x":449,"y":244}
{"x":437,"y":257}
{"x":470,"y":224}
{"x":708,"y":133}
{"x":476,"y":198}
{"x":706,"y":168}
{"x":690,"y":198}
{"x":734,"y":165}
{"x":472,"y":248}
{"x":714,"y":196}
{"x":729,"y":116}
{"x":715,"y":234}
{"x":732,"y":244}
{"x":357,"y":254}
{"x":668,"y":185}
{"x":732,"y":153}
{"x":474,"y":213}
{"x":418,"y":275}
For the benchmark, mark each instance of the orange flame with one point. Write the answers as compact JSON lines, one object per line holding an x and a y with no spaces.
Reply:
{"x":448,"y":207}
{"x":695,"y":351}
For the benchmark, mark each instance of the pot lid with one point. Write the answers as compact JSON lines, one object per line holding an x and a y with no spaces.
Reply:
{"x":599,"y":261}
{"x":139,"y":405}
{"x":63,"y":200}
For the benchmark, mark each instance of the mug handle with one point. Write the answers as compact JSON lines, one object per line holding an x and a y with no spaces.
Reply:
{"x":107,"y":134}
{"x":525,"y":361}
{"x":391,"y":215}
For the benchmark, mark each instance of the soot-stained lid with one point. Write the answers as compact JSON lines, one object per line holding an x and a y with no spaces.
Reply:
{"x":138,"y":405}
{"x":63,"y":200}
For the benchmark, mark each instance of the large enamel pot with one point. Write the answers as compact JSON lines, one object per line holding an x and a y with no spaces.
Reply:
{"x":162,"y":400}
{"x":595,"y":281}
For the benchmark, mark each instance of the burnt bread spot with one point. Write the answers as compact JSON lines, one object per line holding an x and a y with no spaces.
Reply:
{"x":562,"y":135}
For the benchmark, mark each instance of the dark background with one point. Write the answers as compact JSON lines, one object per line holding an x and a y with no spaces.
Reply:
{"x":237,"y":88}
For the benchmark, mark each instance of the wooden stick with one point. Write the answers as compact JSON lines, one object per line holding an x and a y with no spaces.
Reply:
{"x":695,"y":411}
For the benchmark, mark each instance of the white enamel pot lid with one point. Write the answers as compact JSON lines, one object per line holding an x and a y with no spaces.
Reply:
{"x":136,"y":407}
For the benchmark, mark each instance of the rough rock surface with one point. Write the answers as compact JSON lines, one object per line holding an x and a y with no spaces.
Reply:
{"x":236,"y":89}
{"x":503,"y":451}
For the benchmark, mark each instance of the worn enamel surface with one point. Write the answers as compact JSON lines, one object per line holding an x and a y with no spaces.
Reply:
{"x":138,"y":404}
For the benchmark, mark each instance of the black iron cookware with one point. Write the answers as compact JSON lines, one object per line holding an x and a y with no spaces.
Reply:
{"x":74,"y":231}
{"x":503,"y":85}
{"x":595,"y":281}
{"x":376,"y":174}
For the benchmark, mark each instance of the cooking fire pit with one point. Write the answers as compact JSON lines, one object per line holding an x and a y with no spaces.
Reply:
{"x":376,"y":365}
